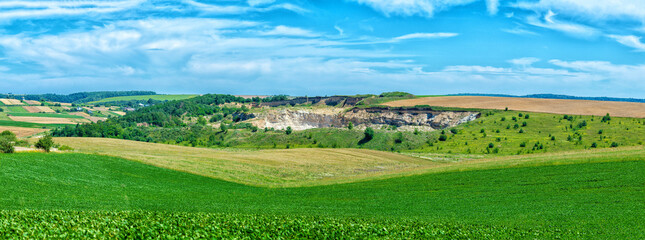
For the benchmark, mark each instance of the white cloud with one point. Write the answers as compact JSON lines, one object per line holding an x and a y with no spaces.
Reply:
{"x":519,"y":31}
{"x":39,"y":9}
{"x":549,"y":21}
{"x":527,"y":61}
{"x":254,"y":3}
{"x":261,"y":6}
{"x":492,"y":6}
{"x":289,"y":31}
{"x":4,"y":69}
{"x":425,"y":8}
{"x":425,"y":36}
{"x":594,"y":10}
{"x":630,"y":41}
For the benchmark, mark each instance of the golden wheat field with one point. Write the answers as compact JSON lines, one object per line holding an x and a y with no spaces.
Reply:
{"x":558,"y":106}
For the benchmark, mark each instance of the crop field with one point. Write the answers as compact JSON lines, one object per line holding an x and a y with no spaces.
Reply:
{"x":280,"y":167}
{"x":48,"y":115}
{"x":48,"y":120}
{"x":32,"y":102}
{"x":602,"y":198}
{"x":6,"y":101}
{"x":37,"y":109}
{"x":11,"y":123}
{"x":15,"y":109}
{"x":22,"y":131}
{"x":146,"y":97}
{"x":307,"y":166}
{"x":559,"y":106}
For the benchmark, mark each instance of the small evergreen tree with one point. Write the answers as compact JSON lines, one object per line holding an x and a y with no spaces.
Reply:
{"x":289,"y":130}
{"x":350,"y":126}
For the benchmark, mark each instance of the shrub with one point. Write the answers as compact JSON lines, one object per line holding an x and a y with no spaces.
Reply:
{"x":614,"y":144}
{"x":521,"y":130}
{"x":45,"y":143}
{"x":399,"y":138}
{"x":369,"y":135}
{"x":491,"y":145}
{"x":6,"y":146}
{"x":606,"y":118}
{"x":526,"y":116}
{"x":416,"y":131}
{"x":350,"y":126}
{"x":443,"y":137}
{"x":289,"y":130}
{"x":600,"y":131}
{"x":454,"y":131}
{"x":524,"y":124}
{"x":594,"y":145}
{"x":523,"y":144}
{"x":552,"y":138}
{"x":9,"y":136}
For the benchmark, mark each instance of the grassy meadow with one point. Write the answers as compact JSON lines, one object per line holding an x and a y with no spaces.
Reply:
{"x":602,"y":199}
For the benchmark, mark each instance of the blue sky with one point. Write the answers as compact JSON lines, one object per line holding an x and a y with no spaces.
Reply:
{"x":324,"y":47}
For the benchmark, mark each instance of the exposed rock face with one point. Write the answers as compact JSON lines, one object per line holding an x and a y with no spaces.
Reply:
{"x":307,"y":119}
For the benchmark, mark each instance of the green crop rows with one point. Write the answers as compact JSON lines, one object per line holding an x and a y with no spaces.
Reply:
{"x":603,"y":200}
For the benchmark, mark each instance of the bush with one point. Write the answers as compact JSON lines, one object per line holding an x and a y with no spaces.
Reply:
{"x":606,"y":118}
{"x":443,"y":137}
{"x":289,"y":130}
{"x":491,"y":145}
{"x":350,"y":126}
{"x":614,"y":144}
{"x":454,"y":131}
{"x":369,"y":135}
{"x":45,"y":143}
{"x":6,"y":146}
{"x":594,"y":145}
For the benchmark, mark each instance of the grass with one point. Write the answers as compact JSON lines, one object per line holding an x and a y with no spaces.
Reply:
{"x":279,"y":167}
{"x":308,"y":167}
{"x":146,"y":97}
{"x":52,"y":115}
{"x":10,"y":123}
{"x":15,"y":109}
{"x":602,"y":199}
{"x":541,"y":132}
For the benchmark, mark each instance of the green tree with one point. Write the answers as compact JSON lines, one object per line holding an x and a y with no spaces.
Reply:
{"x":45,"y":143}
{"x":6,"y":146}
{"x":289,"y":130}
{"x":201,"y":121}
{"x":350,"y":126}
{"x":223,"y":128}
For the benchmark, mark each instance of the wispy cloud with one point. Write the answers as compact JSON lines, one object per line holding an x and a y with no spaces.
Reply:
{"x":424,"y":8}
{"x":425,"y":36}
{"x":254,"y":6}
{"x":630,"y":41}
{"x":492,"y":6}
{"x":39,"y":9}
{"x":288,"y":31}
{"x":549,"y":21}
{"x":594,"y":10}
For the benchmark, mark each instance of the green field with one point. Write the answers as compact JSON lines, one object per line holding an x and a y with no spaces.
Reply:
{"x":599,"y":200}
{"x":15,"y":109}
{"x":29,"y":125}
{"x":52,"y":115}
{"x":146,"y":97}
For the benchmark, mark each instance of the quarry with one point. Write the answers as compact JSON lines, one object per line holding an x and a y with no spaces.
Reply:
{"x":376,"y":117}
